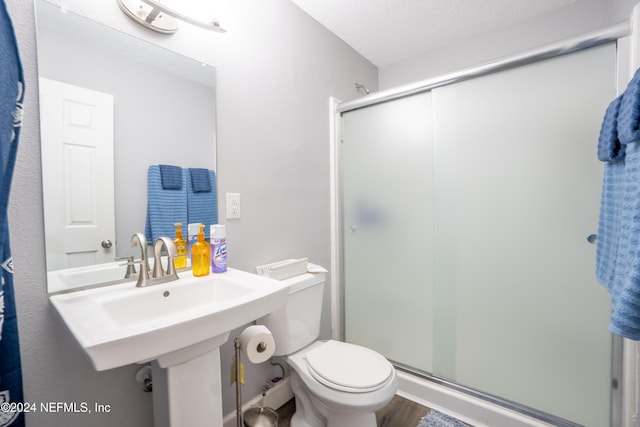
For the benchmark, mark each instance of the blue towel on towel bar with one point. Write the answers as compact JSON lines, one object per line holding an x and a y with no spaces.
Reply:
{"x":164,"y":207}
{"x":618,"y":250}
{"x":203,"y":206}
{"x":200,"y":180}
{"x":625,"y":286}
{"x":171,"y":177}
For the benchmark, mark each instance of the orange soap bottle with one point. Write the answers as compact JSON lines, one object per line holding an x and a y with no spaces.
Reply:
{"x":181,"y":248}
{"x":200,"y":255}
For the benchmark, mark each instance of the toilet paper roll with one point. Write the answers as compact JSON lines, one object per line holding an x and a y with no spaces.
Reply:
{"x":257,"y":343}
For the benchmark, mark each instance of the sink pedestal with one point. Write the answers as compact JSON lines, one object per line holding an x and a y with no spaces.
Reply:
{"x":187,"y":387}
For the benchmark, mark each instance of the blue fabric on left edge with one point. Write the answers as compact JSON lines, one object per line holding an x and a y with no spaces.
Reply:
{"x":165,"y":207}
{"x":11,"y":99}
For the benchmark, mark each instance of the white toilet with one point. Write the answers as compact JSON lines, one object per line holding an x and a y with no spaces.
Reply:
{"x":335,"y":384}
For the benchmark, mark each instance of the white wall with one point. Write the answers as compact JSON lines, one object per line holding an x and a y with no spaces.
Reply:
{"x":276,"y":69}
{"x":575,"y":19}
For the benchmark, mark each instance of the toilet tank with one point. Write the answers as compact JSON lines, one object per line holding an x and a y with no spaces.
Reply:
{"x":297,"y":323}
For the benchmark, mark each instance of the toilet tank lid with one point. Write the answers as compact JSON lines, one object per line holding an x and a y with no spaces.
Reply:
{"x":303,"y":281}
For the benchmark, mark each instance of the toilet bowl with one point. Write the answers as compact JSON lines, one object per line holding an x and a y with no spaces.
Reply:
{"x":335,"y":384}
{"x":340,"y":385}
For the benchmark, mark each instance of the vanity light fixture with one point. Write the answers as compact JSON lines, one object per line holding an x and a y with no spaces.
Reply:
{"x":158,"y":17}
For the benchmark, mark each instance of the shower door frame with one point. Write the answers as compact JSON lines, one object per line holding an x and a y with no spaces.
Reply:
{"x":624,"y":353}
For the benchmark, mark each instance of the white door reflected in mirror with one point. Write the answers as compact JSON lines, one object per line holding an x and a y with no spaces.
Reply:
{"x":78,"y":177}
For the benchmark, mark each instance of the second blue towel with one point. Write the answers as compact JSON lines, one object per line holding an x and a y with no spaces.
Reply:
{"x":165,"y":207}
{"x":202,"y":207}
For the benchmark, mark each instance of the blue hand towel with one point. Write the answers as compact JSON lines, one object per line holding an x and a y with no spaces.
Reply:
{"x":171,"y":177}
{"x":629,"y":112}
{"x":609,"y":146}
{"x":200,"y":180}
{"x":164,"y":207}
{"x":203,"y":206}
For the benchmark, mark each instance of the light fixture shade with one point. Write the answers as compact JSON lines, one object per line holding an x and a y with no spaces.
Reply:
{"x":161,"y":17}
{"x":148,"y":17}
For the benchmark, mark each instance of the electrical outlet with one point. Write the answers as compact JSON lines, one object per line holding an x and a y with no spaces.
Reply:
{"x":233,"y":205}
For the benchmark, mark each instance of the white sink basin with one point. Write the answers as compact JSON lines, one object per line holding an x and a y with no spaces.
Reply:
{"x":153,"y":305}
{"x":121,"y":324}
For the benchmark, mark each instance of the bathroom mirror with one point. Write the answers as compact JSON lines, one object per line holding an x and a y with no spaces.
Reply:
{"x":163,"y":112}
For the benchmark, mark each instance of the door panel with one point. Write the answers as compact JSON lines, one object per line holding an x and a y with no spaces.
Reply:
{"x":77,"y":141}
{"x":388,"y":216}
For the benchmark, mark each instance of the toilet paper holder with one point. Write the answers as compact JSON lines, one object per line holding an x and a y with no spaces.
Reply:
{"x":238,"y":392}
{"x":254,"y":340}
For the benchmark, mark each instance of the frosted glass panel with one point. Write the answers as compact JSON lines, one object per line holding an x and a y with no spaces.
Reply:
{"x":388,"y":216}
{"x":517,"y":193}
{"x":466,"y":215}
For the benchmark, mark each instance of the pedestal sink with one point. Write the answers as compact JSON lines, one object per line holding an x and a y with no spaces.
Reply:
{"x":178,"y":326}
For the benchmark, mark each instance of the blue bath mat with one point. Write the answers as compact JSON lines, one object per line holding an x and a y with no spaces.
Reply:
{"x":438,"y":419}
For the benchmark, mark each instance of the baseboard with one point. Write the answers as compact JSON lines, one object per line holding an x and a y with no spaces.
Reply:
{"x":276,"y":396}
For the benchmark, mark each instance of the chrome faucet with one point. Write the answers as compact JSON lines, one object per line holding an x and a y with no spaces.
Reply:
{"x":159,"y":274}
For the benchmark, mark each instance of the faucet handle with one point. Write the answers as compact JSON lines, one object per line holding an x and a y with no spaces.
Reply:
{"x":131,"y":266}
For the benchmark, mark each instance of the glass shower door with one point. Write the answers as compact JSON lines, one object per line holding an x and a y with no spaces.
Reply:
{"x":388,"y":238}
{"x":466,"y":213}
{"x":517,"y":193}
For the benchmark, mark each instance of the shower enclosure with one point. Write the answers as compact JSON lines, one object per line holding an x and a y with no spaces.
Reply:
{"x":469,"y":212}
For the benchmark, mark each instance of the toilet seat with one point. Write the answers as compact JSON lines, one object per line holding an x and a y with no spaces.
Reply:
{"x":348,"y":367}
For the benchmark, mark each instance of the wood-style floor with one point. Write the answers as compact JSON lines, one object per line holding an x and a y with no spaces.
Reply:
{"x":398,"y":413}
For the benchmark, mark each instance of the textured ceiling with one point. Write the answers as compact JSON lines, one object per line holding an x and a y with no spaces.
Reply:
{"x":387,"y":31}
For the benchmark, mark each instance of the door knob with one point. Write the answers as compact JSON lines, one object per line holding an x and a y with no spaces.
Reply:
{"x":107,"y":244}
